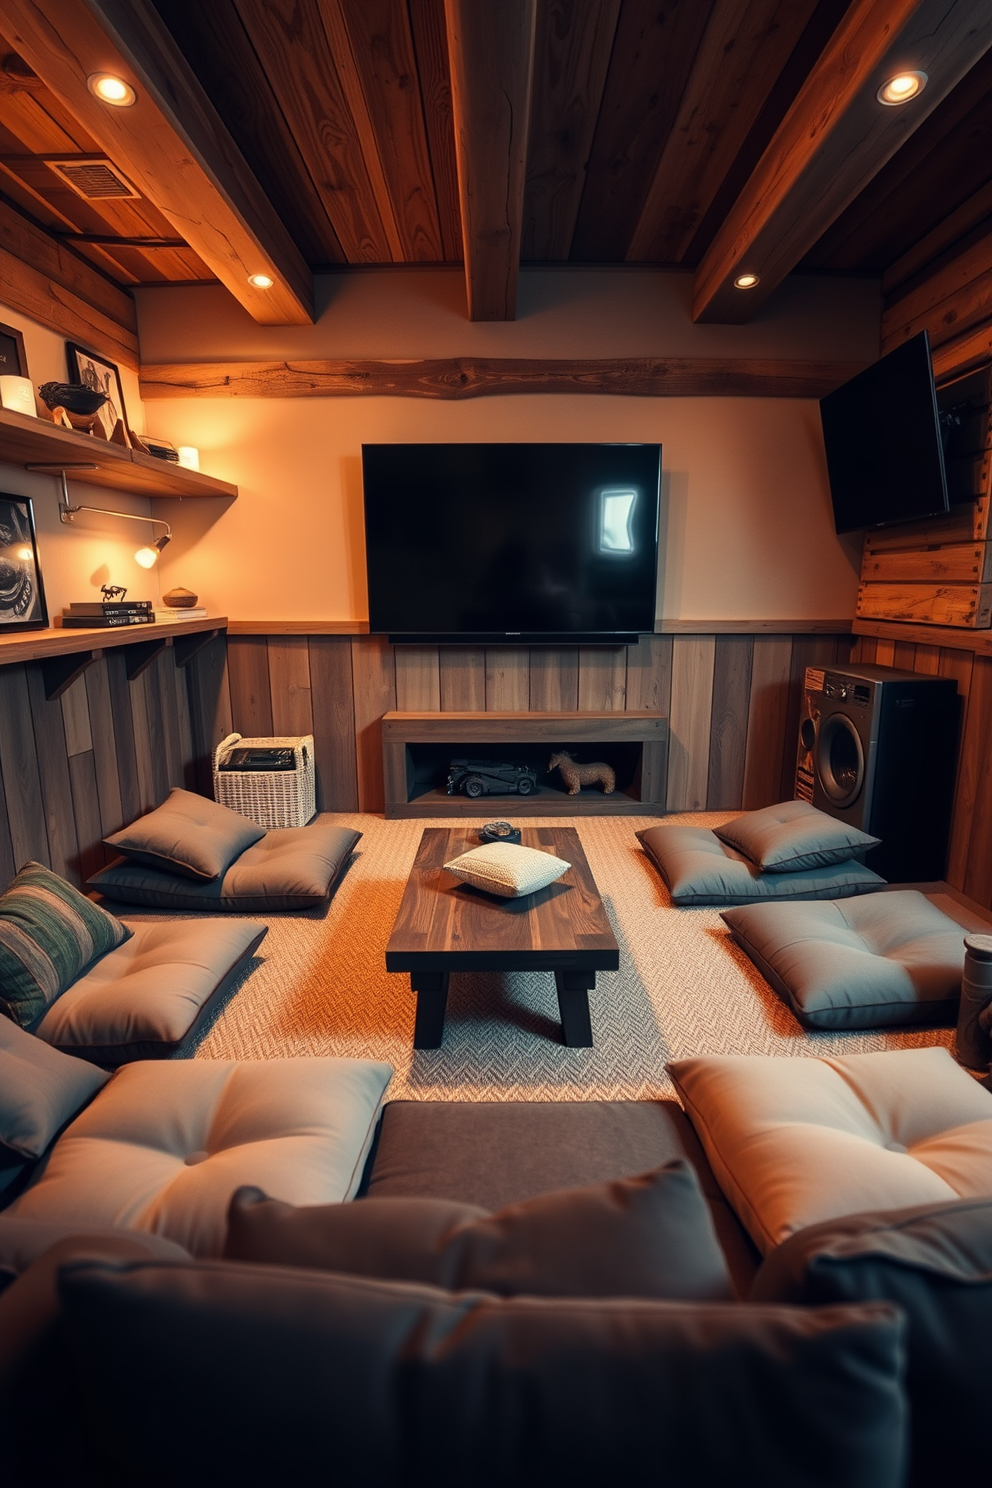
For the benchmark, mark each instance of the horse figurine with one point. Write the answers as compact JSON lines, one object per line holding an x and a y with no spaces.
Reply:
{"x":576,"y":776}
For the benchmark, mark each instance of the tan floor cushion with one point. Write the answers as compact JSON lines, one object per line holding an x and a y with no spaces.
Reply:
{"x":797,"y":1141}
{"x":862,"y":963}
{"x":165,"y":1145}
{"x":292,"y":868}
{"x":144,"y":998}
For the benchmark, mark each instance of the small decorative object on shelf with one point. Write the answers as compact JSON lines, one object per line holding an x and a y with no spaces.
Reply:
{"x":499,"y":831}
{"x":180,"y":599}
{"x":17,"y":394}
{"x":474,"y":778}
{"x":112,"y":592}
{"x":576,"y":776}
{"x":94,"y":372}
{"x":76,"y":407}
{"x":160,"y":448}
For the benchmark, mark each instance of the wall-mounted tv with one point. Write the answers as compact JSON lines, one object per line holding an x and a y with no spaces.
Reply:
{"x":512,"y":542}
{"x":884,"y":442}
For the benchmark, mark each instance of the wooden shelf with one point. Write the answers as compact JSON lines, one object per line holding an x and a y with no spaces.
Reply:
{"x":951,"y":637}
{"x":33,"y":441}
{"x":38,"y":645}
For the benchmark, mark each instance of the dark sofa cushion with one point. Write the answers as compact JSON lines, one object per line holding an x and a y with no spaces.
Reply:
{"x":310,"y":1377}
{"x":189,"y":835}
{"x":650,"y":1236}
{"x":935,"y":1262}
{"x":792,"y":837}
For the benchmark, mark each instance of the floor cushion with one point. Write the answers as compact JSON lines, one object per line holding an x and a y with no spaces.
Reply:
{"x":792,"y":836}
{"x":41,"y":1091}
{"x":145,"y":998}
{"x":863,"y":963}
{"x":699,"y":869}
{"x":291,"y":868}
{"x":796,"y":1141}
{"x":167,"y":1143}
{"x":189,"y":835}
{"x":935,"y":1262}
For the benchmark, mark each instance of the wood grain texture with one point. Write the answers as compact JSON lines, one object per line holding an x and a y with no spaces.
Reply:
{"x":25,"y":240}
{"x":967,"y":563}
{"x":603,"y":678}
{"x":473,"y":377}
{"x":462,"y":678}
{"x":332,"y":699}
{"x":210,"y":713}
{"x":42,"y":298}
{"x":974,"y":799}
{"x":947,"y":301}
{"x":76,"y":718}
{"x":967,"y":605}
{"x":104,"y":736}
{"x":768,"y":748}
{"x":969,"y":215}
{"x":649,"y":685}
{"x":834,"y":140}
{"x":90,"y":856}
{"x":491,"y":53}
{"x":728,"y":722}
{"x":18,"y":757}
{"x":289,"y":686}
{"x":251,"y":697}
{"x":418,"y":681}
{"x":431,"y":44}
{"x":693,"y":662}
{"x":554,"y":679}
{"x":507,"y":679}
{"x":53,"y":773}
{"x":375,"y":694}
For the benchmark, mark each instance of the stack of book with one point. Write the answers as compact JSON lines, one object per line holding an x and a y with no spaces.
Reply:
{"x":166,"y":615}
{"x":98,"y":614}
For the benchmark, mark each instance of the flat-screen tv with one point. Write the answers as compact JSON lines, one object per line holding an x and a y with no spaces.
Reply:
{"x":512,"y":542}
{"x":884,"y":442}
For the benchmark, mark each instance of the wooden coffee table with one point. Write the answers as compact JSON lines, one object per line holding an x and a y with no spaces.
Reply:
{"x":444,"y":925}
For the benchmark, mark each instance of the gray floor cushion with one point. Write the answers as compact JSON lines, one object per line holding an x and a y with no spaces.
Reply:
{"x":144,"y":998}
{"x":291,"y":868}
{"x":699,"y":870}
{"x":864,"y":963}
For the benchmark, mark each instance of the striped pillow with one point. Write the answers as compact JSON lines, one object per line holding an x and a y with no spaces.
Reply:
{"x":49,"y":935}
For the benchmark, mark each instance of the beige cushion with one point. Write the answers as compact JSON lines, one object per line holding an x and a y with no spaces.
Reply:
{"x":189,"y":835}
{"x":793,"y":836}
{"x":166,"y":1144}
{"x":143,"y":999}
{"x":797,"y":1141}
{"x":508,"y":869}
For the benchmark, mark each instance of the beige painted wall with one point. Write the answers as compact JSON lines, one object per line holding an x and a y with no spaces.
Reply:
{"x":747,"y":531}
{"x":77,"y":559}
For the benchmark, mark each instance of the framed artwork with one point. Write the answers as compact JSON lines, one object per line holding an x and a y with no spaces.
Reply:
{"x":95,"y":372}
{"x":22,"y":593}
{"x":13,"y":361}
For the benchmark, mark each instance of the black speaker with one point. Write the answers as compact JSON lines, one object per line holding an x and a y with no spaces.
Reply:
{"x":878,"y":749}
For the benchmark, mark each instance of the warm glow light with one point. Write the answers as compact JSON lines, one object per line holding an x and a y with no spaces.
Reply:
{"x":147,"y":557}
{"x":260,"y":281}
{"x":25,"y":555}
{"x":189,"y":457}
{"x":901,"y":88}
{"x":111,"y":89}
{"x":745,"y":281}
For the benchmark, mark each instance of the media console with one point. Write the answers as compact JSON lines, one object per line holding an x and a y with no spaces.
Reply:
{"x":418,"y":747}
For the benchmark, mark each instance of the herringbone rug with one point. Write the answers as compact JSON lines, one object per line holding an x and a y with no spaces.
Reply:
{"x":319,"y":986}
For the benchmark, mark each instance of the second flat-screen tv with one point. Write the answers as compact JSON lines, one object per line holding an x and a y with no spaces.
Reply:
{"x":885,"y":443}
{"x":512,"y":542}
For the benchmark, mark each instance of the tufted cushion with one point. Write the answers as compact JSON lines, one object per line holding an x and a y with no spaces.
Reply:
{"x":508,"y":869}
{"x":167,"y":1144}
{"x":797,"y":1141}
{"x":142,"y":1000}
{"x":290,"y":868}
{"x":793,"y":836}
{"x":864,"y":963}
{"x":189,"y":835}
{"x":699,"y":870}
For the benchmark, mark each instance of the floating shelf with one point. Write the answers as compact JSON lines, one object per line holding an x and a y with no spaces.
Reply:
{"x":34,"y":441}
{"x":38,"y":645}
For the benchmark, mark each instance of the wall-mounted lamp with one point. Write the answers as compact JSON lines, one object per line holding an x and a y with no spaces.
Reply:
{"x":147,"y":556}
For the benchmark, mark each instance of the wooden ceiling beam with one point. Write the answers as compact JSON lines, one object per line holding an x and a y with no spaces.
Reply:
{"x":834,"y":140}
{"x":171,"y":142}
{"x":491,"y":46}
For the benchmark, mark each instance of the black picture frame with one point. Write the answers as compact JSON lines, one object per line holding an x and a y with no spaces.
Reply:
{"x":13,"y":358}
{"x":22,"y":590}
{"x":95,"y":371}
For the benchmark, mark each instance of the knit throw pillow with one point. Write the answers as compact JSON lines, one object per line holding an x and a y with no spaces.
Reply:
{"x":49,"y":935}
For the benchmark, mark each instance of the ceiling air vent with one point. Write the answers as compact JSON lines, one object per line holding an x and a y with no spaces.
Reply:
{"x":94,"y":178}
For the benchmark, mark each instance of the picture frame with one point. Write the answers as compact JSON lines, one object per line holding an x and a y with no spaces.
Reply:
{"x":13,"y":357}
{"x":96,"y":372}
{"x":22,"y":590}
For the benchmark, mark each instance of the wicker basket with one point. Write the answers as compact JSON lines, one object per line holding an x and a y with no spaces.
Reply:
{"x":282,"y":798}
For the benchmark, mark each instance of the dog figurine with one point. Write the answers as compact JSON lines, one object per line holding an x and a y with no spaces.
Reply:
{"x":576,"y":776}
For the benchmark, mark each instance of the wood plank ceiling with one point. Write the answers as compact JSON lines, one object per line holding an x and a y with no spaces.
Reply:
{"x":677,"y":132}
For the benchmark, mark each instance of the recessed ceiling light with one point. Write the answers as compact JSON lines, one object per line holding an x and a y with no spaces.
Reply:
{"x":111,"y":89}
{"x":745,"y":281}
{"x":260,"y":281}
{"x":901,"y":88}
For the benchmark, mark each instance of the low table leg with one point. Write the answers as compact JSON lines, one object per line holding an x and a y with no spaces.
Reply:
{"x":431,"y":988}
{"x":573,"y":1005}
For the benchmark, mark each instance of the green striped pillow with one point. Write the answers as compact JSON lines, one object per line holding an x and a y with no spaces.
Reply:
{"x":49,"y":935}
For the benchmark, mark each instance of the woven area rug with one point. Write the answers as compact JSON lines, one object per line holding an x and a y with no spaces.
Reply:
{"x":319,"y":986}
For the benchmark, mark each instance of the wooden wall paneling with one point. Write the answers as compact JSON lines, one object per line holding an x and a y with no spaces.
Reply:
{"x":251,"y":698}
{"x":948,"y":300}
{"x":289,"y":686}
{"x":187,"y":753}
{"x":960,"y":666}
{"x":76,"y":718}
{"x":885,"y":653}
{"x":152,"y":788}
{"x":132,"y":803}
{"x":103,"y":734}
{"x":904,"y":656}
{"x":418,"y":681}
{"x":867,"y":649}
{"x":603,"y":678}
{"x":462,"y":679}
{"x":693,"y":662}
{"x":649,"y":685}
{"x":728,"y":722}
{"x":807,"y":651}
{"x":53,"y":772}
{"x":374,"y":675}
{"x":86,"y":809}
{"x":769,"y":748}
{"x":21,"y":780}
{"x":927,"y":660}
{"x":333,"y":702}
{"x":162,"y":682}
{"x":431,"y":43}
{"x":210,"y":711}
{"x":507,"y":679}
{"x":974,"y":798}
{"x":8,"y":867}
{"x":554,"y":679}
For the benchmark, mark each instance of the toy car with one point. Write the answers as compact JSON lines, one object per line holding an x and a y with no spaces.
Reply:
{"x":476,"y":778}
